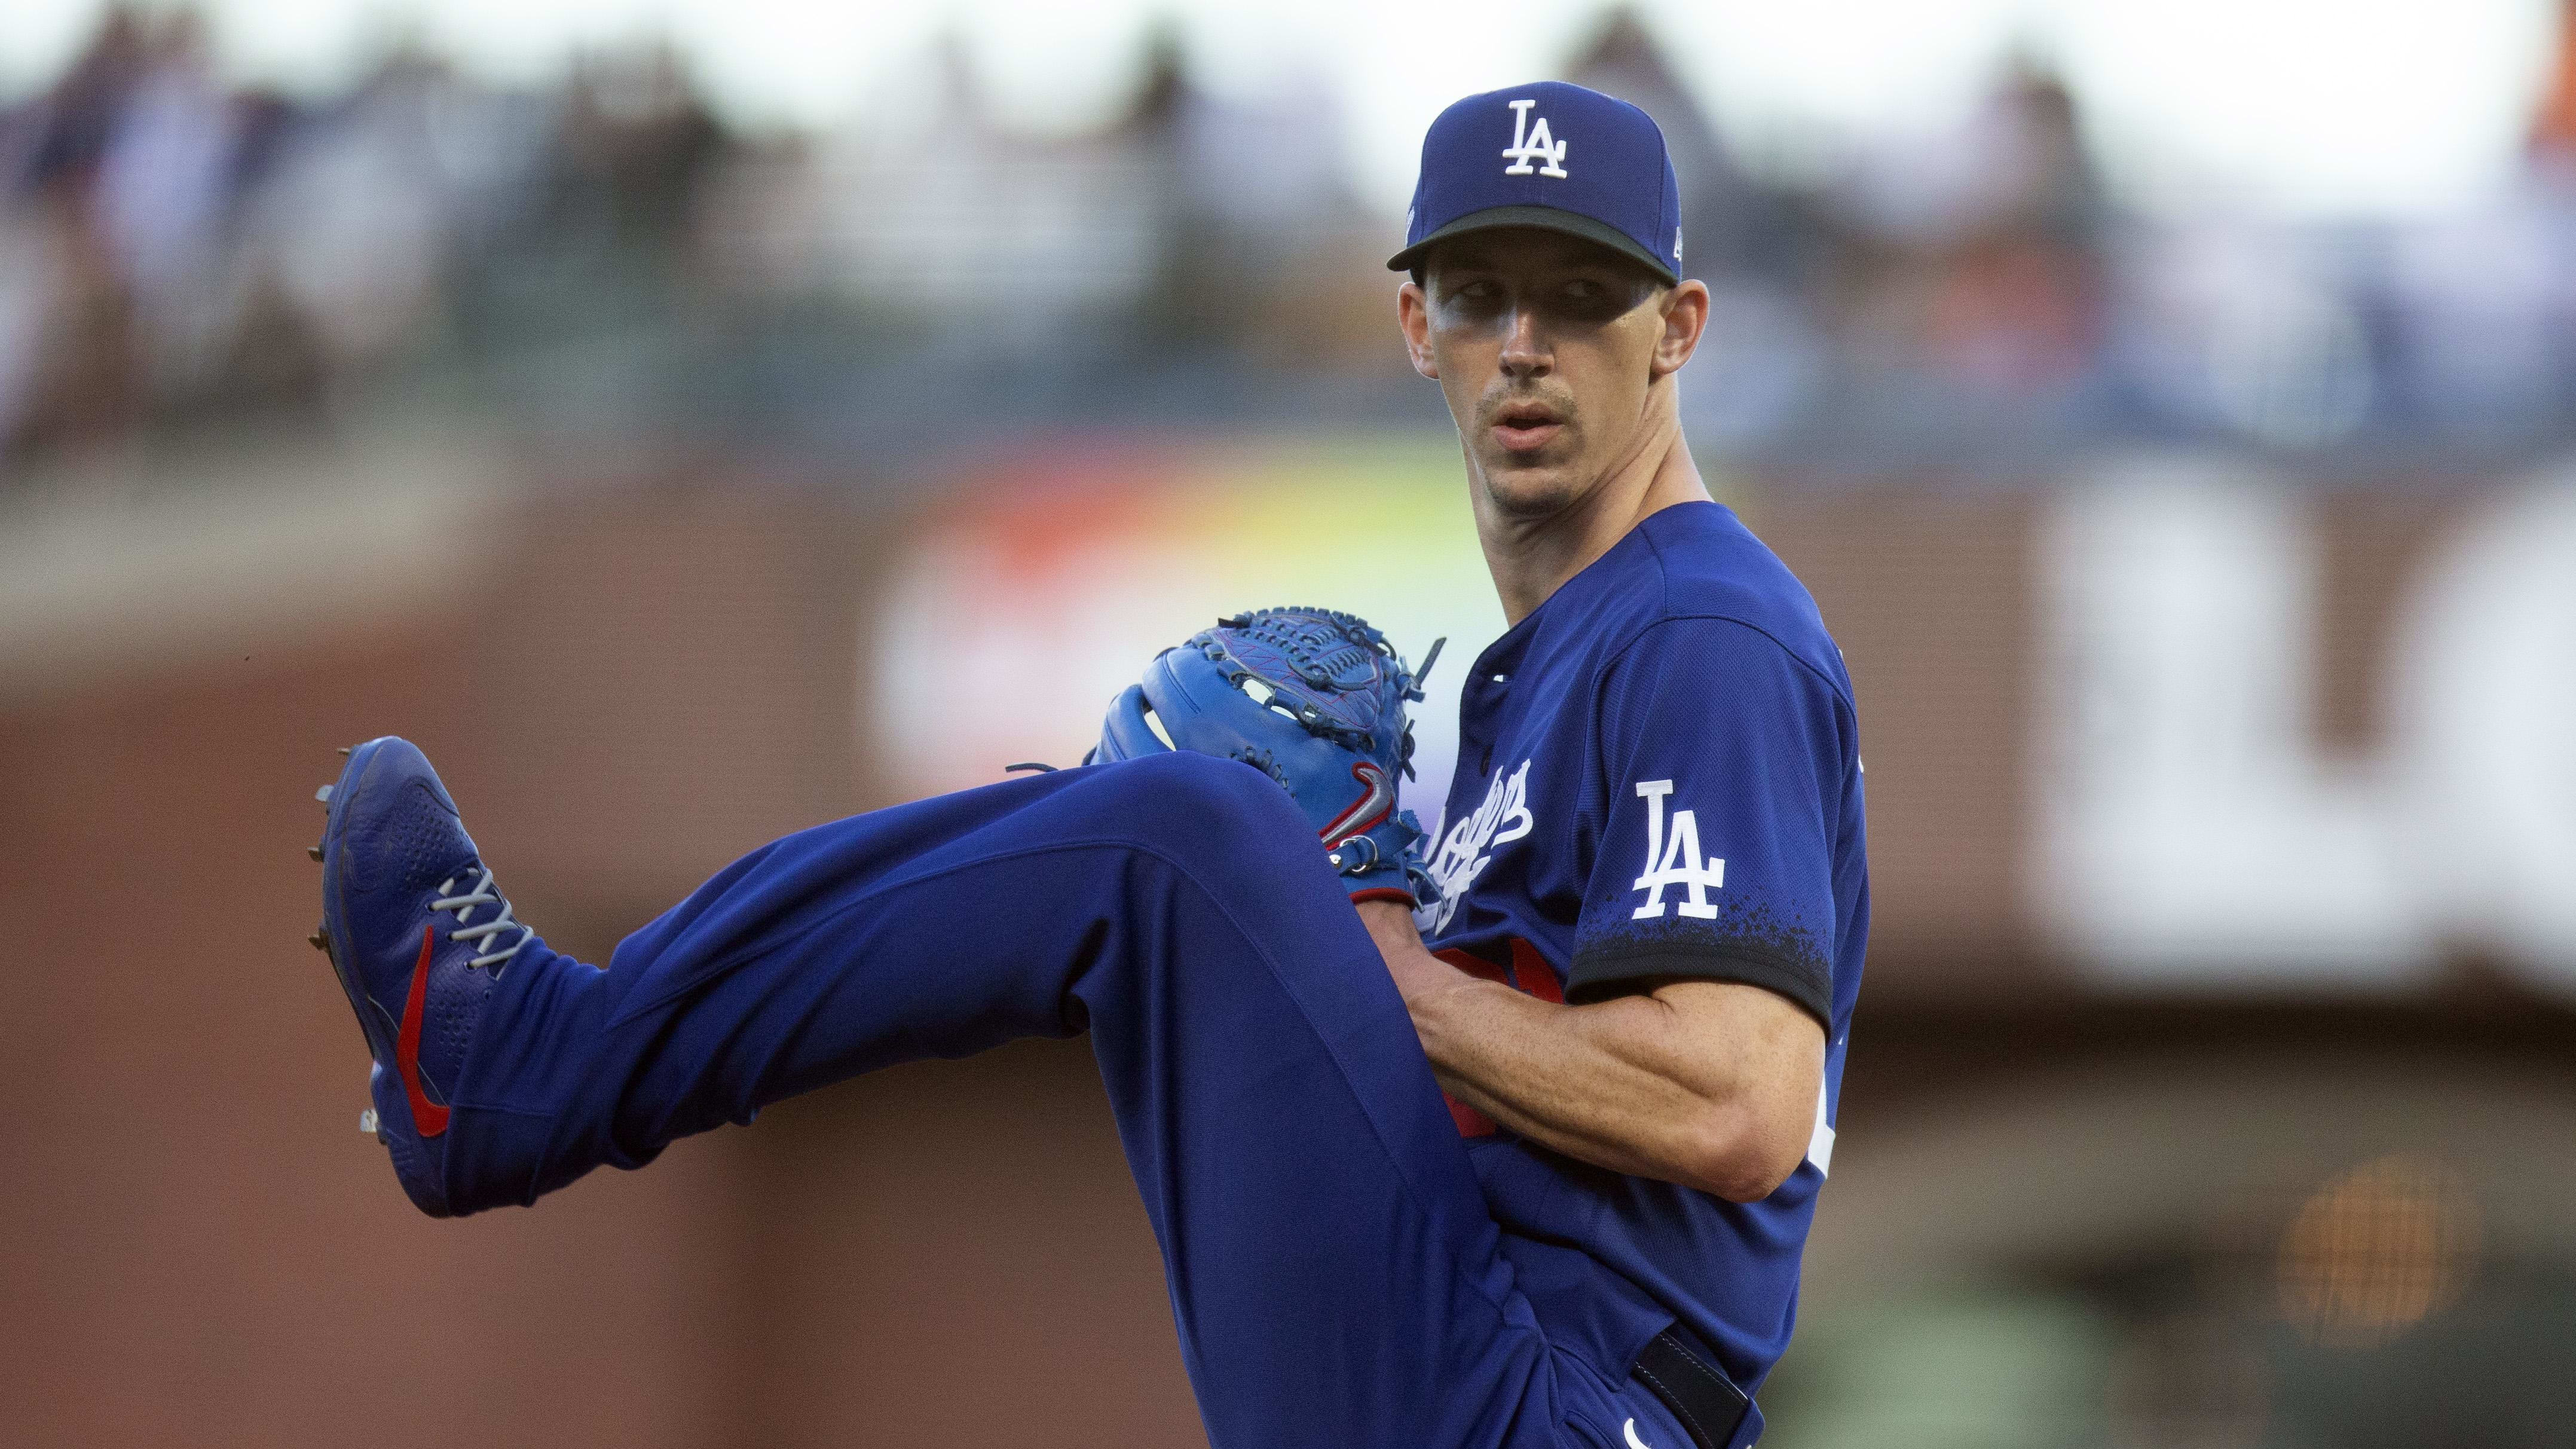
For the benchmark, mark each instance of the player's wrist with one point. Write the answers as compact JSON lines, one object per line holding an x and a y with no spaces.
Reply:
{"x":1390,"y":923}
{"x":1416,"y":971}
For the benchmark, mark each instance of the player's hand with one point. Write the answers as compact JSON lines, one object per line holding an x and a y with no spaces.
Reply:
{"x":1315,"y":700}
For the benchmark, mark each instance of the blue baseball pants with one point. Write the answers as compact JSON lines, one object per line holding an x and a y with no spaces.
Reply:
{"x":1333,"y":1266}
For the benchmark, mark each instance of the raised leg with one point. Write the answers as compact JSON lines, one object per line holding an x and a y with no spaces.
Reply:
{"x":1333,"y":1266}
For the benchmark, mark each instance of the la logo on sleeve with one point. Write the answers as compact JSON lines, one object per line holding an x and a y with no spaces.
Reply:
{"x":1673,"y":859}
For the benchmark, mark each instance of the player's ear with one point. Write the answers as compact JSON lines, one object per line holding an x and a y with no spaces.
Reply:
{"x":1685,"y":318}
{"x":1413,"y":315}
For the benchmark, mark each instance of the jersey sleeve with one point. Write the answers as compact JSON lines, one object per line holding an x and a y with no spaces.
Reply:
{"x":1721,"y":756}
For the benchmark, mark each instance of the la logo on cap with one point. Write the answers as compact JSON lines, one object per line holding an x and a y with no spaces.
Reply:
{"x":1532,"y":145}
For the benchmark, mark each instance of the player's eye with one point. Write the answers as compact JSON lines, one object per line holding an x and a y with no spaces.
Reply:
{"x":1592,"y":299}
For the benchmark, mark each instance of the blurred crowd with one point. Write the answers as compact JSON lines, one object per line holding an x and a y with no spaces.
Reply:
{"x":179,"y":254}
{"x":174,"y":251}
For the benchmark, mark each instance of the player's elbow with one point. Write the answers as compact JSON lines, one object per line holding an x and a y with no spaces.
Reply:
{"x":1743,"y":1154}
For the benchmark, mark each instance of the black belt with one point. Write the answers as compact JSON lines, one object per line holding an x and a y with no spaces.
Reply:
{"x":1684,"y":1374}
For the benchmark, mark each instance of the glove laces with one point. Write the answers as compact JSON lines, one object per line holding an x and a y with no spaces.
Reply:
{"x":481,"y":935}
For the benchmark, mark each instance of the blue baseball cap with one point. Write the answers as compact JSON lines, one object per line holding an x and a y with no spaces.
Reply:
{"x":1548,"y":155}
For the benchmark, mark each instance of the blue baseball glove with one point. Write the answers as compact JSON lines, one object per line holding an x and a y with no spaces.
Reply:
{"x":1316,"y":700}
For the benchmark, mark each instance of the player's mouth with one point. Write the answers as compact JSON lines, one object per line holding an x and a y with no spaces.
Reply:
{"x":1526,"y":427}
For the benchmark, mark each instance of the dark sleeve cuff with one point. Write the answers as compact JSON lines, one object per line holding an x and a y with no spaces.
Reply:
{"x":1603,"y":972}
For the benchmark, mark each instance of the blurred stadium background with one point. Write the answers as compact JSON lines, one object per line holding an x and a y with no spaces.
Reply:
{"x":2203,"y":544}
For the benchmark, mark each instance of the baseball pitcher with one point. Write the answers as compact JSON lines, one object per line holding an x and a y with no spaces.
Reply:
{"x":1508,"y":1135}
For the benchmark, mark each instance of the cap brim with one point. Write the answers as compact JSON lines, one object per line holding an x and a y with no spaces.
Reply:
{"x":1544,"y":218}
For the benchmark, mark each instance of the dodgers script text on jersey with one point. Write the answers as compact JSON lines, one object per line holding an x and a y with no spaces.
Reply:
{"x":1659,"y":777}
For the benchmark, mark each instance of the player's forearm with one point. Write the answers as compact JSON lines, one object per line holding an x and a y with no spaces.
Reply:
{"x":1570,"y":1078}
{"x":1625,"y":1085}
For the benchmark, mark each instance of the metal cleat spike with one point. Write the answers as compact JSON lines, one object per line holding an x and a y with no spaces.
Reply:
{"x":323,"y":794}
{"x":314,"y":851}
{"x":320,"y":941}
{"x":344,"y":749}
{"x":367,"y":1120}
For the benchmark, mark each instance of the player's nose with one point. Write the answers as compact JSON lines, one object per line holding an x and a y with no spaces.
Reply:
{"x":1525,"y":352}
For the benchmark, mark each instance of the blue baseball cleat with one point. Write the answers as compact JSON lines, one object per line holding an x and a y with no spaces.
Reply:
{"x":418,"y":936}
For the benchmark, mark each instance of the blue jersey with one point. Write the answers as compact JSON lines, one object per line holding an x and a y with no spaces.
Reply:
{"x":1658,"y":777}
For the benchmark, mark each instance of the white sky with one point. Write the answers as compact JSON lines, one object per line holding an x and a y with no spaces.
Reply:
{"x":2298,"y":106}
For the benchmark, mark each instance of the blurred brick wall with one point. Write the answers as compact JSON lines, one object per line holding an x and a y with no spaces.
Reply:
{"x":202,"y":1248}
{"x":1930,"y":600}
{"x":670,"y":678}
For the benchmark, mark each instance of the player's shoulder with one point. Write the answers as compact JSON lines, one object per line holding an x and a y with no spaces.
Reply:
{"x":1705,"y":569}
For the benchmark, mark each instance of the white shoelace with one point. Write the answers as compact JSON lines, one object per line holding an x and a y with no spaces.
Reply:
{"x":481,"y":895}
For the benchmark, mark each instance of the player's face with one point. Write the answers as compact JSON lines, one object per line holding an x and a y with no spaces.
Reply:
{"x":1547,"y":346}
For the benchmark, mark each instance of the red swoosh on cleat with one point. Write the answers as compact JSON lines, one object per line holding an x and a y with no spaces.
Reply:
{"x":429,"y":1118}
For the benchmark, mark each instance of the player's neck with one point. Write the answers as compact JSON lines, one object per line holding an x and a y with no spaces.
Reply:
{"x":1531,"y":559}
